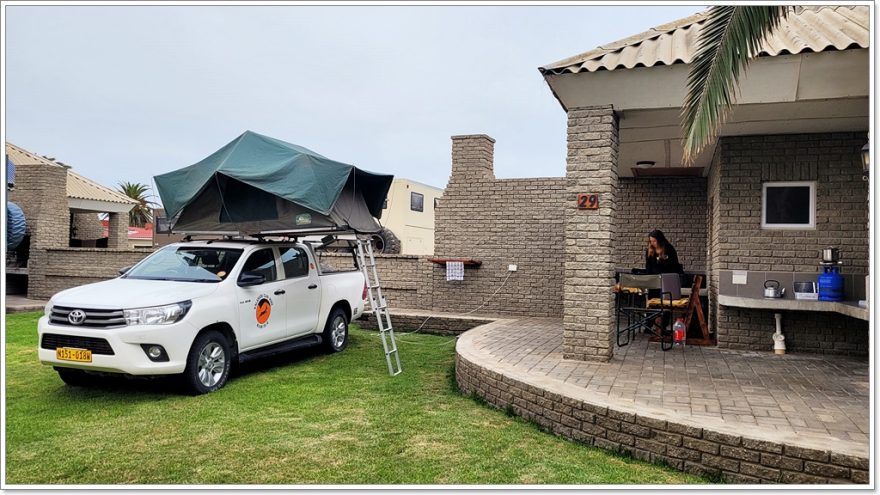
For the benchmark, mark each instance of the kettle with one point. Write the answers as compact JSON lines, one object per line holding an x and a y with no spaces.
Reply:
{"x":771,"y":289}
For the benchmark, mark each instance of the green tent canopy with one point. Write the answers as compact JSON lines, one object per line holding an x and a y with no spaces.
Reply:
{"x":260,"y":184}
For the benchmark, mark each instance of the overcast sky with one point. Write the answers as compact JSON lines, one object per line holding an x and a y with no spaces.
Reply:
{"x":123,"y":93}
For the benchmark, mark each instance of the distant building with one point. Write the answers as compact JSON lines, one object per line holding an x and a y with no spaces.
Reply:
{"x":409,"y":215}
{"x":138,"y":237}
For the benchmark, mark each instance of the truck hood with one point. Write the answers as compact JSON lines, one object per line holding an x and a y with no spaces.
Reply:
{"x":123,"y":293}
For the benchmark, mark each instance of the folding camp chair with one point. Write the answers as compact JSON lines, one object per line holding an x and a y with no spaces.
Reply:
{"x":631,"y":308}
{"x":689,"y":307}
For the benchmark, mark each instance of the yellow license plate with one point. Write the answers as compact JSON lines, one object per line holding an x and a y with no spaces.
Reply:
{"x":71,"y":354}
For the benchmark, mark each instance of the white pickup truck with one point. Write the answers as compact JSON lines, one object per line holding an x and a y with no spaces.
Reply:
{"x":194,"y":308}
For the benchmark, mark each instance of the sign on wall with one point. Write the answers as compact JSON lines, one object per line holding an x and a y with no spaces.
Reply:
{"x":588,"y":201}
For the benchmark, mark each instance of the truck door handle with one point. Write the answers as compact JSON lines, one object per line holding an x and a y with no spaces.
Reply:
{"x":280,"y":291}
{"x":313,"y":286}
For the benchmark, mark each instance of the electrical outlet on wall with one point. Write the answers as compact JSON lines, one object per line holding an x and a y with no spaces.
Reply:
{"x":511,"y":268}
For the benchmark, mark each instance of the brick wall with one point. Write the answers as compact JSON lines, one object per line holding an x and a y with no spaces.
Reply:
{"x":405,"y":279}
{"x":499,"y":222}
{"x":677,"y":206}
{"x":805,"y":331}
{"x":53,"y":270}
{"x":833,"y":161}
{"x":88,"y":226}
{"x":701,"y":451}
{"x":735,"y":183}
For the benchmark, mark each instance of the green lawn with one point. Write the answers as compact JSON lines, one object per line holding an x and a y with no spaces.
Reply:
{"x":302,"y":418}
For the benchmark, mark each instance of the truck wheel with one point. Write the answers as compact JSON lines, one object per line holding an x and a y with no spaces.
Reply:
{"x":386,"y":242}
{"x":335,"y":336}
{"x":74,"y":378}
{"x":208,"y":363}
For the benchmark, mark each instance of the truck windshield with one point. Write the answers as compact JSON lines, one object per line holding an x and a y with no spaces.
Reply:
{"x":187,"y":264}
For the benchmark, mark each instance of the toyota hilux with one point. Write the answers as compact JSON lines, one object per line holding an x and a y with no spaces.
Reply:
{"x":195,"y":308}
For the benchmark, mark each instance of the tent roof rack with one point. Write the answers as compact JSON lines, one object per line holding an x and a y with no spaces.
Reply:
{"x":262,"y":235}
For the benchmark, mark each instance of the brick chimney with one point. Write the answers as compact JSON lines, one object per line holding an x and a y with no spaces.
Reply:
{"x":472,"y":157}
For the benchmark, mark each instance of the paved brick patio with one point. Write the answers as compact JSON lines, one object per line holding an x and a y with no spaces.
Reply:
{"x":796,"y":400}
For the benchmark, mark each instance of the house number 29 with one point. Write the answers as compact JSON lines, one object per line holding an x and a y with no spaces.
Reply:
{"x":588,"y":201}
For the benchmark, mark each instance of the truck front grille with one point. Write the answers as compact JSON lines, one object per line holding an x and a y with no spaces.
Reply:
{"x":52,"y":341}
{"x":95,"y":318}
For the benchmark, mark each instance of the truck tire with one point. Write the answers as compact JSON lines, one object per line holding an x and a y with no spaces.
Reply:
{"x":335,"y":336}
{"x":74,"y":378}
{"x":16,"y":226}
{"x":386,"y":242}
{"x":208,"y":363}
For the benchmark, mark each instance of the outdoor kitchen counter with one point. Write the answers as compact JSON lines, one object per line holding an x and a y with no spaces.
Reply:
{"x":848,"y":308}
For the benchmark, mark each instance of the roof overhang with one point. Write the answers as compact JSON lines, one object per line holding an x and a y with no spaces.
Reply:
{"x":785,"y":94}
{"x":783,"y":78}
{"x":78,"y":205}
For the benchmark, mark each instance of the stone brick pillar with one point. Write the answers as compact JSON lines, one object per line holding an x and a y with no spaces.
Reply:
{"x":472,"y":158}
{"x":471,"y":180}
{"x":41,"y":192}
{"x":589,"y":235}
{"x":117,"y":231}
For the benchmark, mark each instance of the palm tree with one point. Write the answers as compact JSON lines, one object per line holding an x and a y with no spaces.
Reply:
{"x":142,"y":213}
{"x":730,"y":35}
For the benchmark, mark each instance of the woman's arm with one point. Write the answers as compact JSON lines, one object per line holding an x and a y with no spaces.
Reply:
{"x":650,"y":263}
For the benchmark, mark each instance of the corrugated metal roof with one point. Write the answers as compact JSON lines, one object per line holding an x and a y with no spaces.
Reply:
{"x":21,"y":156}
{"x":79,"y":187}
{"x":806,"y":29}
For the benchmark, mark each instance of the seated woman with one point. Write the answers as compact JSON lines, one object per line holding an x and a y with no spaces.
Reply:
{"x":661,"y":257}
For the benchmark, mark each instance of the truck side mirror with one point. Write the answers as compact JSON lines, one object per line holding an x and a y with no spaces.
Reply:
{"x":125,"y":269}
{"x":248,"y":279}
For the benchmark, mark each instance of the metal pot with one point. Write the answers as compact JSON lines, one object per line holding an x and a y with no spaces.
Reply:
{"x":771,"y":289}
{"x":830,"y":255}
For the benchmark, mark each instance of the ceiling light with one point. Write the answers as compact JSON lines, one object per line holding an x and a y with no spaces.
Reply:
{"x":645,"y":164}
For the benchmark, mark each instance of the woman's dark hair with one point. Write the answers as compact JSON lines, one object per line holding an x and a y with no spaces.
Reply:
{"x":661,"y":239}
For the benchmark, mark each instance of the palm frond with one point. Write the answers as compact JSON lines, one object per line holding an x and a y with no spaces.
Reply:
{"x":730,"y":35}
{"x":142,"y":213}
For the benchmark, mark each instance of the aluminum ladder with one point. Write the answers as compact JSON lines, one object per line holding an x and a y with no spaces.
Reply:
{"x":378,"y":304}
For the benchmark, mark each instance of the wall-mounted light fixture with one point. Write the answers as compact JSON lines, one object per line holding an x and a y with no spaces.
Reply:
{"x":866,"y":161}
{"x":645,"y":163}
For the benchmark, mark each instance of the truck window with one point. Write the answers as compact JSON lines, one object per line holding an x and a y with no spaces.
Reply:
{"x":186,"y":264}
{"x":262,"y":261}
{"x":295,"y":262}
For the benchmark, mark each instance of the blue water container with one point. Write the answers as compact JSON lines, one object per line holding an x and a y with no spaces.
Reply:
{"x":831,"y":284}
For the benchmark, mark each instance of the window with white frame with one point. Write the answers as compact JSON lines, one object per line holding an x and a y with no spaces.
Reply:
{"x":788,"y":205}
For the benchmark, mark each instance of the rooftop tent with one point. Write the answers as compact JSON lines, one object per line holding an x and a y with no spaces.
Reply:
{"x":260,"y":184}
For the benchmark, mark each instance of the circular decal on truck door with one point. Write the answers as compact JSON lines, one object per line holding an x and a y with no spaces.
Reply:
{"x":263,"y":310}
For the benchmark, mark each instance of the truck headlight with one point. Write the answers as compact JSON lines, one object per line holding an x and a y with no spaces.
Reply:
{"x":47,"y":311}
{"x":157,"y":315}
